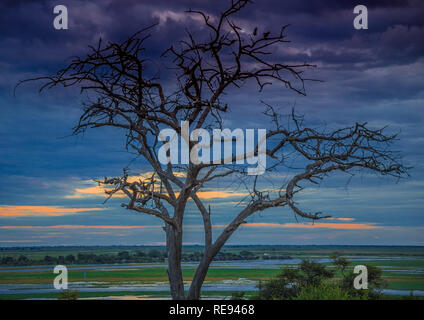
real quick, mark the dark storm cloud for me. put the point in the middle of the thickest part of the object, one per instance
(374, 75)
(27, 25)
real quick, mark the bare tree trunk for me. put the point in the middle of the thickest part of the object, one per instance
(173, 248)
(210, 253)
(199, 276)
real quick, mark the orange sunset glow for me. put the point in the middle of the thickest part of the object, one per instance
(45, 211)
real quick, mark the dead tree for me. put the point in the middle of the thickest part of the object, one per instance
(114, 75)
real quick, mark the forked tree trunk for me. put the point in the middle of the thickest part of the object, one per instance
(175, 275)
(174, 250)
(199, 277)
(201, 271)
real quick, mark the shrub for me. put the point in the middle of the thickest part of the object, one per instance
(68, 295)
(326, 291)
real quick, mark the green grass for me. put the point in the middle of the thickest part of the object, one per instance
(402, 285)
(142, 274)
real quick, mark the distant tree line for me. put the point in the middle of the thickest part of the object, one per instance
(153, 255)
(248, 255)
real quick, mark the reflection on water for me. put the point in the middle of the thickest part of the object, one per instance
(226, 285)
(243, 264)
(239, 264)
(403, 292)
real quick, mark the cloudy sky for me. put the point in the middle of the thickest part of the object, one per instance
(47, 196)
